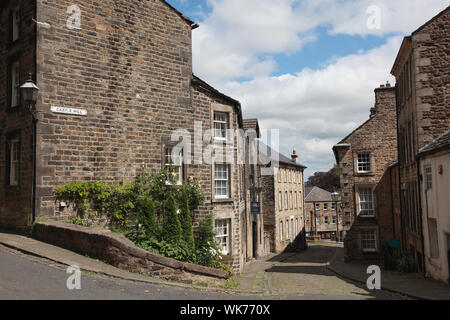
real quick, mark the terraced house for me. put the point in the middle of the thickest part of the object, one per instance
(283, 200)
(366, 158)
(422, 71)
(115, 81)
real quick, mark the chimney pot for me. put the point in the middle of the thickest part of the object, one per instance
(294, 156)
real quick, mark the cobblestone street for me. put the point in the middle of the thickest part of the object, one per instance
(305, 276)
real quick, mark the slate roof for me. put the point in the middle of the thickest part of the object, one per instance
(316, 194)
(270, 154)
(440, 143)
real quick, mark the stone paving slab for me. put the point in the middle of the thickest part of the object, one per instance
(411, 284)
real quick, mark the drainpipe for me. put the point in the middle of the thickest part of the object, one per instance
(419, 182)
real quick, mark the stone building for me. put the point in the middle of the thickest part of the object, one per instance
(434, 168)
(283, 199)
(115, 84)
(364, 158)
(320, 211)
(421, 69)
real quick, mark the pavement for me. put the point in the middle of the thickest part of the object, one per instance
(65, 257)
(26, 277)
(318, 273)
(410, 284)
(305, 276)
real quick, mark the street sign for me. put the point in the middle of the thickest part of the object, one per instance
(256, 207)
(71, 111)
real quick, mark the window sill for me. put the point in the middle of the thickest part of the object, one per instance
(365, 174)
(370, 251)
(222, 200)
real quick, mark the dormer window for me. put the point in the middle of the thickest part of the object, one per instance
(364, 164)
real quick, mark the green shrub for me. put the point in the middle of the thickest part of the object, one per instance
(77, 221)
(145, 209)
(185, 221)
(171, 227)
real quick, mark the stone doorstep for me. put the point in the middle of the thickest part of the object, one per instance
(101, 267)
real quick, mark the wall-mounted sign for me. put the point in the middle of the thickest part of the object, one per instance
(256, 207)
(72, 111)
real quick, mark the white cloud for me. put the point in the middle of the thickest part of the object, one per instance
(313, 108)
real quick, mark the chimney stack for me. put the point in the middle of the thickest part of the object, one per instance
(294, 156)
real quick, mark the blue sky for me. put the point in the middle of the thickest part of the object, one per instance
(305, 67)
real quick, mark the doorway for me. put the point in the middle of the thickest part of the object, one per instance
(255, 238)
(448, 257)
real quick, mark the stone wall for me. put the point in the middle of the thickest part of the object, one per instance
(15, 201)
(129, 65)
(377, 136)
(119, 251)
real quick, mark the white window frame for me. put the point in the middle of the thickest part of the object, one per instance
(317, 206)
(221, 180)
(15, 32)
(287, 230)
(286, 205)
(222, 237)
(174, 164)
(291, 202)
(428, 170)
(223, 124)
(367, 200)
(325, 206)
(14, 162)
(333, 219)
(318, 221)
(365, 240)
(281, 230)
(15, 84)
(364, 163)
(280, 200)
(326, 220)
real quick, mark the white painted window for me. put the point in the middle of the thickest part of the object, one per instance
(15, 84)
(287, 229)
(317, 220)
(317, 206)
(369, 240)
(280, 200)
(290, 200)
(292, 229)
(364, 164)
(295, 204)
(286, 200)
(333, 206)
(174, 164)
(281, 230)
(14, 147)
(429, 177)
(221, 181)
(296, 226)
(220, 125)
(222, 229)
(15, 24)
(366, 205)
(334, 219)
(325, 206)
(326, 220)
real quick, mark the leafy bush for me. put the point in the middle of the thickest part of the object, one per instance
(171, 227)
(77, 221)
(405, 263)
(185, 220)
(145, 209)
